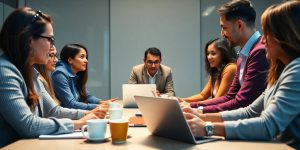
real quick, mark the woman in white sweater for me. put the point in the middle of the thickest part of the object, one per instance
(26, 109)
(275, 114)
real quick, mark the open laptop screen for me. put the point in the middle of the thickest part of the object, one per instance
(130, 90)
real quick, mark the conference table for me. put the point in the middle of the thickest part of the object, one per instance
(140, 138)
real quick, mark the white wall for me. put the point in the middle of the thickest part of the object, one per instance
(173, 26)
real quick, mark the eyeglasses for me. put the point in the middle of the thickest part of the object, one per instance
(52, 56)
(49, 38)
(36, 16)
(153, 62)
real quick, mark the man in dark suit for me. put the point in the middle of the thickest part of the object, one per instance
(153, 72)
(237, 21)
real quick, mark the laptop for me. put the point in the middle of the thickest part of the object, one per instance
(130, 90)
(165, 118)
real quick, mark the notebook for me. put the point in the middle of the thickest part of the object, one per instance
(164, 118)
(130, 90)
(137, 121)
(74, 135)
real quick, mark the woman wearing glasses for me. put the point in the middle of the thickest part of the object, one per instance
(26, 109)
(220, 65)
(70, 77)
(274, 115)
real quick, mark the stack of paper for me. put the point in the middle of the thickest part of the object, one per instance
(74, 135)
(137, 121)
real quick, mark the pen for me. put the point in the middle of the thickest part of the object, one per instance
(137, 125)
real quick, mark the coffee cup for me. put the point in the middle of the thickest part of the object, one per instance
(118, 130)
(96, 129)
(164, 95)
(114, 105)
(115, 113)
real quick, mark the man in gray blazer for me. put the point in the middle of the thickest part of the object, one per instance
(153, 72)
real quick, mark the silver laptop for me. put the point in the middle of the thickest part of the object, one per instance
(130, 90)
(164, 118)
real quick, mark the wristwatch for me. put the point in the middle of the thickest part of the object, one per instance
(200, 109)
(209, 128)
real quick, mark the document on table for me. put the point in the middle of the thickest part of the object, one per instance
(137, 121)
(74, 135)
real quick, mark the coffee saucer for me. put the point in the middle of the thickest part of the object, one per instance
(97, 140)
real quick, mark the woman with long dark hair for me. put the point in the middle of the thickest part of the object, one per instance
(220, 64)
(70, 77)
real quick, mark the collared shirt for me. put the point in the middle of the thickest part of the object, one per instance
(152, 79)
(245, 52)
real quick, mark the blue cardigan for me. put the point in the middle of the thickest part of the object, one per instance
(66, 90)
(275, 112)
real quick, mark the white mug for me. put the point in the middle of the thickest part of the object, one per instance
(96, 129)
(115, 113)
(164, 95)
(114, 105)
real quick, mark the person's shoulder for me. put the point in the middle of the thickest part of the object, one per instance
(4, 59)
(60, 65)
(138, 67)
(164, 67)
(230, 66)
(296, 61)
(293, 66)
(6, 64)
(9, 70)
(62, 68)
(291, 71)
(165, 70)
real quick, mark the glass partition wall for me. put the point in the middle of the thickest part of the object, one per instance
(6, 7)
(87, 24)
(117, 32)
